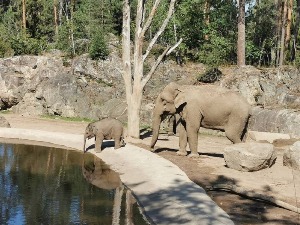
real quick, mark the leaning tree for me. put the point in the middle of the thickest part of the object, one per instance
(133, 60)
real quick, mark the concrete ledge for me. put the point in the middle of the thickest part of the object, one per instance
(164, 191)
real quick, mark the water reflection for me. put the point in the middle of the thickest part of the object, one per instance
(41, 185)
(96, 172)
(99, 174)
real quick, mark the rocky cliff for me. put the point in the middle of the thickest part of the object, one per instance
(51, 84)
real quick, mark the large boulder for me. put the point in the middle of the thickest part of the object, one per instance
(250, 156)
(291, 157)
(286, 121)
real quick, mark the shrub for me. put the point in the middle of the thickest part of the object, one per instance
(98, 48)
(5, 48)
(210, 76)
(23, 45)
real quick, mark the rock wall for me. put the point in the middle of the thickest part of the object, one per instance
(81, 87)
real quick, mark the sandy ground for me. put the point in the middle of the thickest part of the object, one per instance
(210, 172)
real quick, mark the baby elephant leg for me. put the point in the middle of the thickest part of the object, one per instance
(119, 142)
(98, 142)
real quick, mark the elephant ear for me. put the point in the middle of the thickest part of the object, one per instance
(94, 129)
(179, 99)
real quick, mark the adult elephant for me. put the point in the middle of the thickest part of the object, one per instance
(208, 106)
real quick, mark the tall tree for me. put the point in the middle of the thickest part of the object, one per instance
(133, 73)
(295, 32)
(24, 14)
(283, 31)
(55, 16)
(241, 34)
(288, 22)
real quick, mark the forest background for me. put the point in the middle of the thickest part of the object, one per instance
(208, 28)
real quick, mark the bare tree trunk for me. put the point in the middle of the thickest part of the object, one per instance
(206, 16)
(241, 34)
(295, 32)
(60, 15)
(133, 74)
(55, 16)
(279, 28)
(282, 39)
(288, 22)
(24, 14)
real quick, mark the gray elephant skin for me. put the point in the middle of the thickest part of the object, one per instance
(105, 129)
(208, 106)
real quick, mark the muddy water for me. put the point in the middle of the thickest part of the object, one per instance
(41, 185)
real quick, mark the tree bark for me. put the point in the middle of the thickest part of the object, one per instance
(206, 16)
(24, 14)
(295, 31)
(288, 22)
(133, 73)
(55, 16)
(241, 34)
(282, 39)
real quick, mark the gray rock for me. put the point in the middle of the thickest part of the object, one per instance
(249, 156)
(291, 157)
(286, 121)
(4, 122)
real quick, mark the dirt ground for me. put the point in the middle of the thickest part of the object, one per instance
(211, 173)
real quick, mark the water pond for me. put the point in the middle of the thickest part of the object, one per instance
(42, 185)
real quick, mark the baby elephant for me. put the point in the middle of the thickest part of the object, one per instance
(104, 129)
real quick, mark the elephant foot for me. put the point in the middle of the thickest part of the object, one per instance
(97, 150)
(194, 155)
(181, 153)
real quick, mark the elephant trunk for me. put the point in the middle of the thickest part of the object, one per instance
(155, 129)
(84, 142)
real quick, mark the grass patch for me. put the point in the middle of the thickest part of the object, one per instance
(5, 112)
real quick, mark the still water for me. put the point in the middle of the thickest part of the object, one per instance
(42, 185)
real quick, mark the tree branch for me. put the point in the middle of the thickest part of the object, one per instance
(166, 52)
(150, 17)
(175, 46)
(161, 29)
(126, 48)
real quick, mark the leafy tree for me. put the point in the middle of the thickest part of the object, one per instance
(98, 47)
(261, 33)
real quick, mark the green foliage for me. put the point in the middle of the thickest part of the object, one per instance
(23, 45)
(261, 24)
(210, 42)
(98, 47)
(5, 47)
(218, 50)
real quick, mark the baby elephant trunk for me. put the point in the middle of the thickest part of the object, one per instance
(84, 143)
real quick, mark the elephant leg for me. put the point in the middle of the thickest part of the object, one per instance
(98, 142)
(192, 128)
(234, 129)
(171, 125)
(117, 142)
(182, 140)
